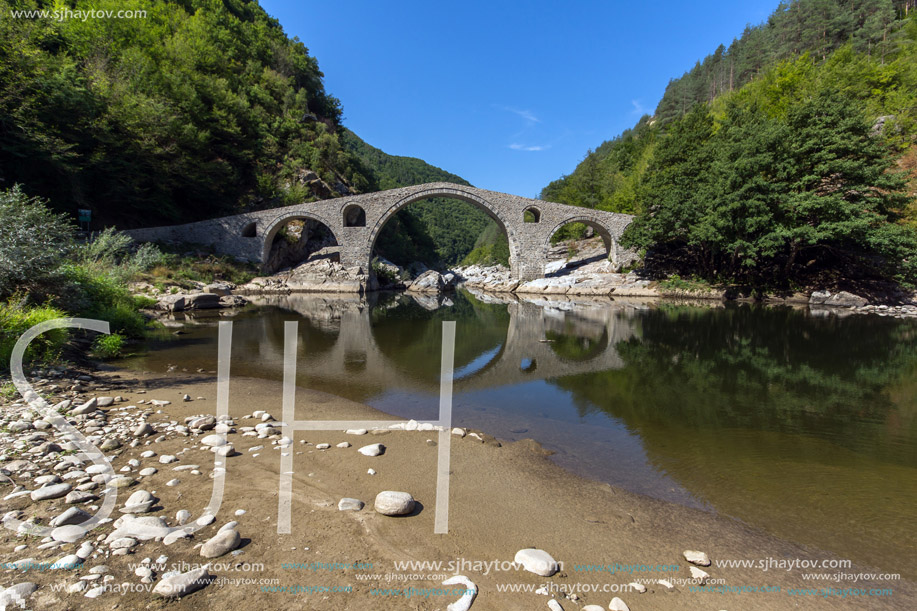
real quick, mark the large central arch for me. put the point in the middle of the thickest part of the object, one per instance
(451, 193)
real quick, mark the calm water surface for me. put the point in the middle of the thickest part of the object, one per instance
(802, 425)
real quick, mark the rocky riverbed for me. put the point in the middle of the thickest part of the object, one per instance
(362, 500)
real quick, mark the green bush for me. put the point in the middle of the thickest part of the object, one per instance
(108, 346)
(17, 318)
(33, 241)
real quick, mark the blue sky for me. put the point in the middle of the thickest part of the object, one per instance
(508, 95)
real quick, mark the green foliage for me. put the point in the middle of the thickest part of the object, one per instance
(33, 242)
(782, 176)
(201, 109)
(491, 248)
(384, 275)
(107, 346)
(17, 318)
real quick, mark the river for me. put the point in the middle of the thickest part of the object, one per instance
(799, 423)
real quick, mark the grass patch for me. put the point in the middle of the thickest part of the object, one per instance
(16, 319)
(108, 346)
(677, 283)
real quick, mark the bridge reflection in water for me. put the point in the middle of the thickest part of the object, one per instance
(386, 346)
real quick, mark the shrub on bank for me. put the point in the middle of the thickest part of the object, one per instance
(46, 273)
(17, 318)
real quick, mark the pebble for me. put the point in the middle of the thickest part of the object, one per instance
(471, 591)
(639, 587)
(349, 504)
(144, 430)
(392, 503)
(73, 515)
(536, 561)
(222, 543)
(695, 557)
(54, 491)
(68, 534)
(617, 604)
(148, 471)
(322, 446)
(372, 450)
(213, 441)
(182, 517)
(356, 431)
(176, 586)
(371, 471)
(343, 444)
(140, 501)
(553, 605)
(458, 431)
(699, 575)
(167, 458)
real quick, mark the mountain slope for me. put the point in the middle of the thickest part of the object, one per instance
(200, 108)
(713, 175)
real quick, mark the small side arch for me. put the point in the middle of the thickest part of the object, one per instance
(354, 216)
(250, 230)
(531, 215)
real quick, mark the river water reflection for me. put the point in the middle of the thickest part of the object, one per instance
(801, 424)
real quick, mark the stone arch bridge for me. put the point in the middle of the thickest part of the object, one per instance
(356, 221)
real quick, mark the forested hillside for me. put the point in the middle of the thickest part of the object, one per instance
(431, 231)
(783, 159)
(200, 108)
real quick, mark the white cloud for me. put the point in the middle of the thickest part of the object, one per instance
(639, 109)
(523, 147)
(527, 115)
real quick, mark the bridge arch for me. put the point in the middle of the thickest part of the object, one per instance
(452, 193)
(604, 232)
(271, 229)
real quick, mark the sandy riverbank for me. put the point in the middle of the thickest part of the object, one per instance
(503, 498)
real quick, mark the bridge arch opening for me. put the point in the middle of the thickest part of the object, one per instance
(531, 215)
(576, 241)
(250, 230)
(354, 216)
(470, 230)
(295, 239)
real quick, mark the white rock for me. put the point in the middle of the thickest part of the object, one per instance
(536, 561)
(167, 458)
(553, 605)
(639, 587)
(371, 471)
(458, 431)
(213, 441)
(372, 450)
(322, 446)
(343, 444)
(222, 543)
(54, 491)
(695, 557)
(348, 504)
(68, 534)
(11, 597)
(143, 430)
(356, 431)
(699, 575)
(182, 516)
(467, 599)
(617, 604)
(392, 503)
(148, 471)
(593, 608)
(179, 585)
